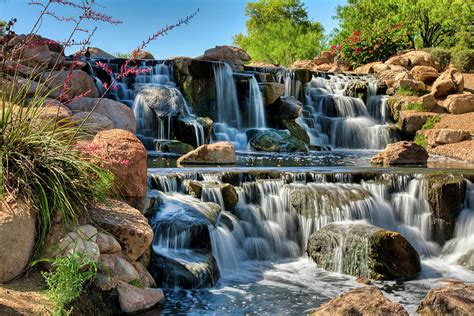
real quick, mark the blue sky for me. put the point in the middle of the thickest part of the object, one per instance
(215, 24)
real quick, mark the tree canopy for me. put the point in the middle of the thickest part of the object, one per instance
(280, 32)
(428, 23)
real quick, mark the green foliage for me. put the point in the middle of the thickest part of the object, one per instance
(136, 283)
(40, 163)
(406, 91)
(442, 56)
(416, 106)
(3, 27)
(68, 278)
(426, 23)
(280, 32)
(420, 139)
(123, 55)
(464, 60)
(431, 122)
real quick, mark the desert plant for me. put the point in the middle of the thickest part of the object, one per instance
(415, 106)
(431, 122)
(68, 278)
(464, 60)
(442, 56)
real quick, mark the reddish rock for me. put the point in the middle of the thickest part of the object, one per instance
(401, 153)
(133, 299)
(126, 224)
(221, 153)
(454, 299)
(124, 155)
(411, 121)
(368, 68)
(79, 83)
(360, 301)
(17, 236)
(425, 74)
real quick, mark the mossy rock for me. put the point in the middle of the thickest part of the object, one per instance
(173, 146)
(357, 89)
(271, 140)
(367, 251)
(297, 131)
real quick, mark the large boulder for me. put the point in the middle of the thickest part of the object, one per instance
(436, 137)
(445, 194)
(366, 250)
(96, 53)
(271, 140)
(119, 114)
(420, 58)
(425, 74)
(462, 150)
(296, 130)
(17, 236)
(287, 108)
(367, 68)
(123, 154)
(184, 268)
(79, 83)
(357, 89)
(142, 54)
(271, 91)
(92, 122)
(459, 103)
(411, 121)
(126, 224)
(450, 81)
(401, 153)
(221, 153)
(163, 101)
(360, 301)
(133, 299)
(234, 56)
(454, 299)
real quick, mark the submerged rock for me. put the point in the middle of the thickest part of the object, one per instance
(360, 301)
(271, 140)
(455, 299)
(17, 236)
(445, 193)
(401, 153)
(221, 153)
(364, 250)
(184, 268)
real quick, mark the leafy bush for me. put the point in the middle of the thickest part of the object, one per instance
(442, 56)
(431, 122)
(68, 278)
(464, 60)
(378, 45)
(420, 139)
(406, 91)
(41, 165)
(416, 106)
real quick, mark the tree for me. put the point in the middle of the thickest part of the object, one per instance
(427, 23)
(280, 32)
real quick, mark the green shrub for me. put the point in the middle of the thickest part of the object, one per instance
(68, 278)
(416, 106)
(442, 56)
(420, 139)
(40, 163)
(464, 60)
(405, 91)
(431, 122)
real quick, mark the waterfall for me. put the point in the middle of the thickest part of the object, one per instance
(335, 120)
(460, 249)
(254, 108)
(274, 218)
(227, 103)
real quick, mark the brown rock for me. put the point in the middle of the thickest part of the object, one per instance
(428, 101)
(221, 153)
(271, 91)
(126, 224)
(124, 155)
(450, 81)
(80, 83)
(420, 58)
(92, 122)
(234, 56)
(17, 236)
(133, 299)
(97, 53)
(114, 269)
(107, 243)
(455, 299)
(144, 55)
(463, 122)
(360, 301)
(425, 74)
(146, 279)
(398, 60)
(463, 150)
(459, 103)
(368, 68)
(54, 113)
(401, 153)
(436, 137)
(410, 84)
(411, 120)
(119, 114)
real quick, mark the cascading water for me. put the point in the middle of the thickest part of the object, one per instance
(335, 120)
(231, 124)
